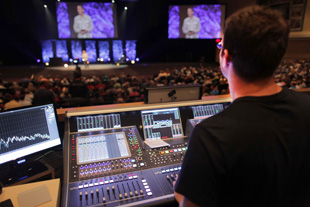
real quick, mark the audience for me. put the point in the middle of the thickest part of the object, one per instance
(110, 89)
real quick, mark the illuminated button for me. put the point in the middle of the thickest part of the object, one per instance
(133, 160)
(171, 151)
(80, 186)
(167, 170)
(108, 163)
(163, 171)
(162, 152)
(81, 173)
(111, 181)
(125, 165)
(95, 165)
(90, 166)
(130, 177)
(148, 190)
(146, 187)
(86, 172)
(108, 168)
(81, 167)
(101, 182)
(91, 184)
(86, 185)
(171, 169)
(128, 160)
(179, 168)
(134, 165)
(142, 164)
(135, 176)
(86, 166)
(103, 164)
(184, 149)
(175, 150)
(149, 193)
(166, 151)
(104, 169)
(91, 171)
(95, 170)
(179, 149)
(129, 165)
(145, 183)
(100, 170)
(99, 165)
(106, 182)
(96, 183)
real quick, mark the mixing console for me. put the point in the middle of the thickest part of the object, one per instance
(108, 162)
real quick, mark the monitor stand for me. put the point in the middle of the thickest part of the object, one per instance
(19, 172)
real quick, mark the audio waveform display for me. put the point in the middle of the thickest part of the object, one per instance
(6, 143)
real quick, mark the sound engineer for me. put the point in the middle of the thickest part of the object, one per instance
(257, 151)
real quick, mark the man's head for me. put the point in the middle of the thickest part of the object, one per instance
(190, 12)
(80, 9)
(256, 39)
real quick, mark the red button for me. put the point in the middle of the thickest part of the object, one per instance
(171, 151)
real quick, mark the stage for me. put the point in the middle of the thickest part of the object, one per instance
(145, 70)
(88, 67)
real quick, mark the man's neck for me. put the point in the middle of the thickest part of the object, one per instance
(240, 88)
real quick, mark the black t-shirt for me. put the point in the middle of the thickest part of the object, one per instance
(255, 153)
(43, 96)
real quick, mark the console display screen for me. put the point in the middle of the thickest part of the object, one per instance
(162, 123)
(100, 147)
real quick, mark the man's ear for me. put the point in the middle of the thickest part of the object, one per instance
(227, 57)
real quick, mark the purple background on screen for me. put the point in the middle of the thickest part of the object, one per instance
(102, 17)
(91, 50)
(174, 22)
(210, 21)
(131, 49)
(63, 20)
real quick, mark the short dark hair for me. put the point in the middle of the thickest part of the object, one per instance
(256, 38)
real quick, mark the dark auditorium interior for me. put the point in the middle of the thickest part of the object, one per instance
(111, 128)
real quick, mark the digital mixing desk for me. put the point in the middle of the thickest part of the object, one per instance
(129, 156)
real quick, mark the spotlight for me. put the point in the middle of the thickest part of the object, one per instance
(58, 0)
(133, 62)
(101, 59)
(113, 1)
(71, 60)
(98, 59)
(66, 65)
(47, 64)
(137, 59)
(117, 64)
(45, 6)
(109, 59)
(38, 60)
(125, 8)
(127, 59)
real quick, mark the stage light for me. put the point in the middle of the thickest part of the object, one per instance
(58, 0)
(47, 64)
(109, 59)
(125, 8)
(45, 6)
(38, 60)
(133, 62)
(127, 59)
(117, 64)
(101, 59)
(113, 1)
(66, 65)
(98, 59)
(218, 40)
(137, 59)
(71, 60)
